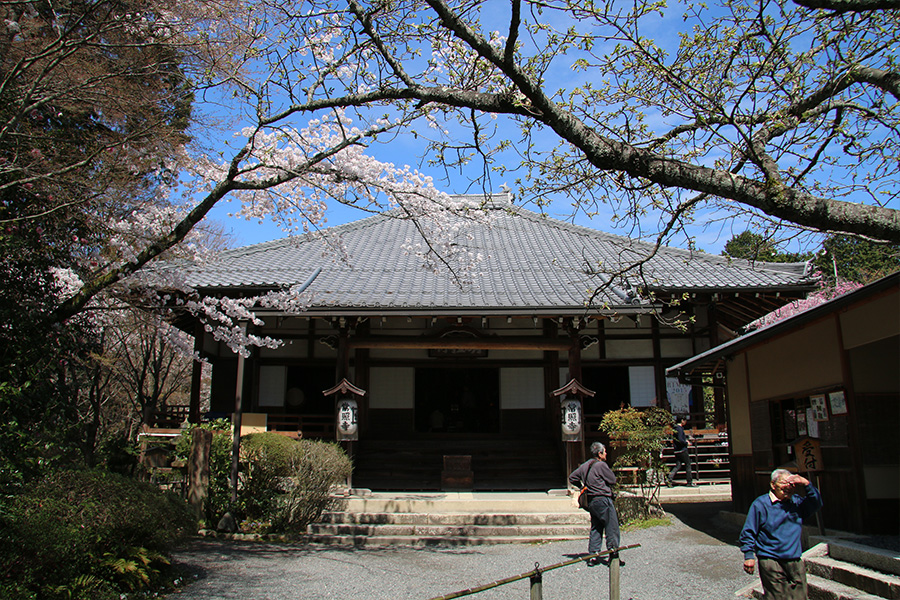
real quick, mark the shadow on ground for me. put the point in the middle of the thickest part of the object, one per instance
(704, 516)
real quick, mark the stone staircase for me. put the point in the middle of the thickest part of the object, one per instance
(451, 519)
(838, 569)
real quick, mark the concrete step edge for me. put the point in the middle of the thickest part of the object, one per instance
(555, 505)
(420, 541)
(825, 589)
(862, 578)
(437, 530)
(456, 518)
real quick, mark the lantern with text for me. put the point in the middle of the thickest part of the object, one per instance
(346, 410)
(572, 416)
(347, 426)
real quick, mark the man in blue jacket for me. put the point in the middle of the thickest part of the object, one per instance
(772, 534)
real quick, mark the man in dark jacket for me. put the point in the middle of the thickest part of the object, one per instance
(599, 479)
(682, 453)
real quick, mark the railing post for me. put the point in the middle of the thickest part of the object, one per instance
(537, 585)
(614, 576)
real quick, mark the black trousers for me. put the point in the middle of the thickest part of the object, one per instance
(682, 458)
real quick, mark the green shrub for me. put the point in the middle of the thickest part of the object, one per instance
(637, 439)
(218, 499)
(283, 482)
(288, 482)
(63, 537)
(268, 461)
(318, 468)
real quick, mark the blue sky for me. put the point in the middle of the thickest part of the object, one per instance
(709, 235)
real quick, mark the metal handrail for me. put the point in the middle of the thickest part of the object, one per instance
(536, 576)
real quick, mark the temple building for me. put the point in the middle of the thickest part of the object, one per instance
(512, 366)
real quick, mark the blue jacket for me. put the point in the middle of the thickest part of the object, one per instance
(772, 529)
(679, 439)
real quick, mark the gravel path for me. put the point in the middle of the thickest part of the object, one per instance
(675, 562)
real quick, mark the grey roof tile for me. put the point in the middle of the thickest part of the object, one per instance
(533, 262)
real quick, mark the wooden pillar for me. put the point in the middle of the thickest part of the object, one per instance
(858, 518)
(236, 418)
(342, 369)
(575, 453)
(720, 411)
(659, 372)
(196, 376)
(198, 469)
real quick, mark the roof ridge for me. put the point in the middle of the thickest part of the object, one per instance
(369, 221)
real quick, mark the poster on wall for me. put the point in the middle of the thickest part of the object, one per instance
(838, 402)
(679, 395)
(801, 423)
(819, 409)
(812, 425)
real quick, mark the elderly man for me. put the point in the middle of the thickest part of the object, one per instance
(599, 479)
(772, 533)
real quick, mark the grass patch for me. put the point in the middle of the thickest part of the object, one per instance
(647, 523)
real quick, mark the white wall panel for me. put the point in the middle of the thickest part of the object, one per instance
(392, 387)
(521, 388)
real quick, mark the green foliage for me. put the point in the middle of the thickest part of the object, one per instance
(288, 482)
(38, 400)
(647, 523)
(318, 467)
(284, 482)
(756, 247)
(137, 569)
(637, 438)
(75, 534)
(269, 461)
(118, 453)
(218, 499)
(857, 260)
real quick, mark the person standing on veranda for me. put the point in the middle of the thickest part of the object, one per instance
(772, 533)
(681, 446)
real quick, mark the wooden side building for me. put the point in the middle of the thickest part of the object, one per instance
(820, 393)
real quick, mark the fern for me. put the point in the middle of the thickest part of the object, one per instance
(137, 568)
(83, 586)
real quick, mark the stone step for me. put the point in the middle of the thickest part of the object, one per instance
(455, 519)
(862, 578)
(830, 578)
(462, 502)
(422, 541)
(877, 559)
(443, 531)
(817, 588)
(825, 589)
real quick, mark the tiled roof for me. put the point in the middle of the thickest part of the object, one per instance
(531, 262)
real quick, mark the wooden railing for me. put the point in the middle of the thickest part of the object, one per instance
(537, 576)
(709, 455)
(306, 426)
(295, 425)
(170, 417)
